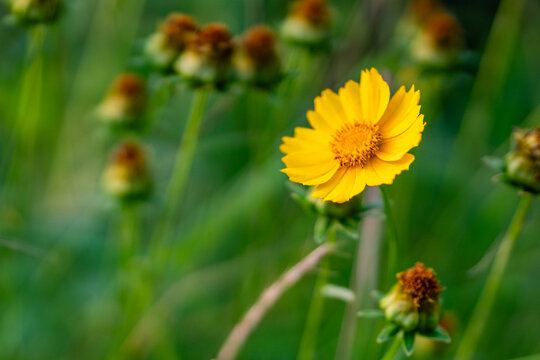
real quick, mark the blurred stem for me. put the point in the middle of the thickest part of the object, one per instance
(268, 298)
(130, 231)
(393, 349)
(483, 307)
(392, 234)
(309, 337)
(182, 168)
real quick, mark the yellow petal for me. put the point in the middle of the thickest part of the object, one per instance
(312, 175)
(307, 158)
(384, 172)
(360, 182)
(402, 111)
(343, 191)
(319, 123)
(350, 98)
(328, 105)
(321, 191)
(374, 93)
(394, 148)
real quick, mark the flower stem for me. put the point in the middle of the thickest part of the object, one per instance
(130, 232)
(393, 349)
(182, 168)
(309, 337)
(268, 298)
(487, 298)
(392, 234)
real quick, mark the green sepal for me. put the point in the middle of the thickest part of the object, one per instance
(388, 332)
(439, 334)
(377, 295)
(371, 313)
(408, 342)
(494, 162)
(320, 231)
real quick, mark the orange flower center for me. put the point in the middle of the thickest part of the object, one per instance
(354, 145)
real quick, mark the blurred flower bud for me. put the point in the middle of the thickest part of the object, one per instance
(171, 38)
(308, 23)
(413, 304)
(125, 101)
(422, 10)
(425, 347)
(35, 11)
(439, 41)
(207, 58)
(257, 61)
(126, 176)
(522, 164)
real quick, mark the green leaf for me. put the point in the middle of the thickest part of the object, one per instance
(439, 334)
(371, 313)
(377, 295)
(494, 162)
(338, 292)
(388, 332)
(408, 342)
(321, 229)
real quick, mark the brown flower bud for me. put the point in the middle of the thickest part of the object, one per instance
(308, 23)
(126, 177)
(207, 58)
(522, 164)
(257, 61)
(125, 100)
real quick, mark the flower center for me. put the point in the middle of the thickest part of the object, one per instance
(356, 144)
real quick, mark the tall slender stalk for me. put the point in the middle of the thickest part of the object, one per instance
(483, 307)
(182, 168)
(268, 298)
(392, 234)
(393, 349)
(130, 232)
(309, 337)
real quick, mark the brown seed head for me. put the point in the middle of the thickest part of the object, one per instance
(215, 41)
(179, 29)
(259, 44)
(445, 31)
(316, 12)
(528, 143)
(128, 85)
(421, 284)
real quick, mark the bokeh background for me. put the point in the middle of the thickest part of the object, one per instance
(238, 228)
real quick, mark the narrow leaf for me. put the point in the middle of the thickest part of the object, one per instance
(388, 332)
(439, 334)
(338, 292)
(408, 342)
(321, 229)
(371, 313)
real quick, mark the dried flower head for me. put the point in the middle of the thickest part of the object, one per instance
(421, 284)
(125, 100)
(257, 61)
(308, 23)
(208, 57)
(179, 29)
(126, 176)
(521, 166)
(445, 31)
(422, 10)
(35, 11)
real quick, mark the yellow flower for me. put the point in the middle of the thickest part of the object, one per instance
(360, 137)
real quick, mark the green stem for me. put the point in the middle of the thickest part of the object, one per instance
(393, 349)
(309, 337)
(392, 234)
(182, 168)
(130, 236)
(483, 307)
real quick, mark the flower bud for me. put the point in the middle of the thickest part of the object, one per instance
(35, 11)
(207, 58)
(257, 61)
(413, 303)
(439, 41)
(125, 101)
(126, 176)
(308, 23)
(522, 164)
(171, 38)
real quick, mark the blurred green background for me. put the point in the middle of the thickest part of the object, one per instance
(62, 289)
